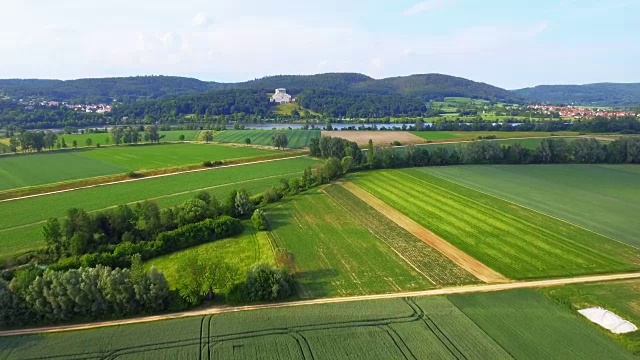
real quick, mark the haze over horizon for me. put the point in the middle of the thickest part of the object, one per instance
(497, 42)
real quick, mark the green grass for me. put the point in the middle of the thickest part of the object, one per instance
(530, 326)
(56, 166)
(602, 198)
(239, 252)
(622, 298)
(297, 138)
(436, 267)
(335, 254)
(516, 242)
(486, 326)
(286, 109)
(473, 135)
(101, 138)
(22, 221)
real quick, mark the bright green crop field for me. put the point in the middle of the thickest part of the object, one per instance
(101, 138)
(335, 254)
(56, 166)
(297, 138)
(238, 252)
(620, 297)
(422, 257)
(602, 198)
(517, 242)
(515, 324)
(20, 229)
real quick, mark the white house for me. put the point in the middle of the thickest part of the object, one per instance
(281, 97)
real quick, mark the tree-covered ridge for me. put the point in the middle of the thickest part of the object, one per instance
(436, 86)
(341, 104)
(611, 94)
(426, 87)
(123, 89)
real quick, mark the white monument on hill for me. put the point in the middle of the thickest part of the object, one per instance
(281, 97)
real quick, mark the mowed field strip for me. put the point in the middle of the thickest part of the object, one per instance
(602, 198)
(516, 242)
(26, 170)
(20, 227)
(473, 266)
(297, 139)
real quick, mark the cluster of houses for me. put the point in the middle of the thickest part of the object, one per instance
(90, 108)
(578, 112)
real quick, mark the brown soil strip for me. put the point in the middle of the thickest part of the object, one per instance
(381, 138)
(473, 266)
(434, 292)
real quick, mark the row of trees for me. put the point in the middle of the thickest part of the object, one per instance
(118, 230)
(35, 296)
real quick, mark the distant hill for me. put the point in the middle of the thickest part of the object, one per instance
(105, 89)
(425, 87)
(604, 94)
(430, 86)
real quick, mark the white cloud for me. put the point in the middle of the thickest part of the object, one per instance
(200, 20)
(427, 5)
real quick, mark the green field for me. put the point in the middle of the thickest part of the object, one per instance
(517, 324)
(602, 198)
(297, 138)
(101, 138)
(620, 297)
(422, 257)
(516, 242)
(286, 109)
(335, 254)
(473, 135)
(27, 170)
(20, 229)
(239, 252)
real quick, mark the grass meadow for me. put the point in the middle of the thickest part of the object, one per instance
(601, 198)
(514, 241)
(335, 254)
(297, 138)
(50, 167)
(105, 138)
(514, 324)
(22, 221)
(239, 252)
(620, 297)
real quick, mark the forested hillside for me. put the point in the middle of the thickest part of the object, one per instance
(104, 90)
(605, 94)
(431, 86)
(426, 87)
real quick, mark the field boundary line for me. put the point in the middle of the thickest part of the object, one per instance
(163, 197)
(381, 239)
(462, 259)
(536, 211)
(148, 178)
(531, 284)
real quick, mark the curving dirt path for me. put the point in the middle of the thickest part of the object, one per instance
(473, 266)
(434, 292)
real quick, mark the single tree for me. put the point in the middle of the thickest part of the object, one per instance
(88, 142)
(247, 141)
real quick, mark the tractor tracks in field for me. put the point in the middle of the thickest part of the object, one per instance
(433, 292)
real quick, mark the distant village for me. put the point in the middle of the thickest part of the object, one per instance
(578, 112)
(89, 108)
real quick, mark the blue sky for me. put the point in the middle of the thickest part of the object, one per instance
(511, 44)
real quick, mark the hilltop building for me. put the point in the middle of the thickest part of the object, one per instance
(281, 97)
